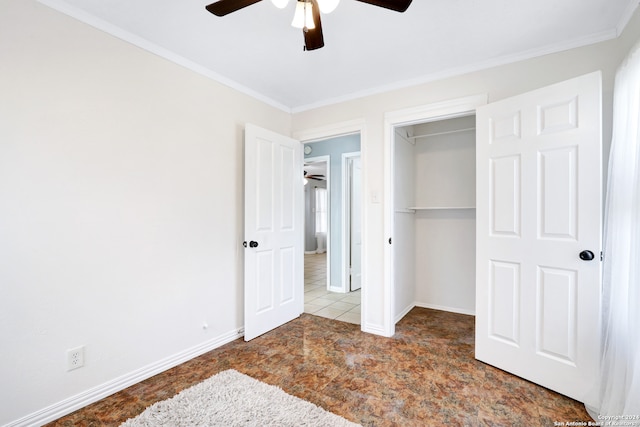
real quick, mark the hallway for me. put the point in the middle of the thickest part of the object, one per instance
(321, 302)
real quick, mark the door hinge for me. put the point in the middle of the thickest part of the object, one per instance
(601, 256)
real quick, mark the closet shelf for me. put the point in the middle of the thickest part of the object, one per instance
(427, 135)
(435, 208)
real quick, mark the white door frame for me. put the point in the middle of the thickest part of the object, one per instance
(327, 160)
(347, 158)
(430, 112)
(331, 131)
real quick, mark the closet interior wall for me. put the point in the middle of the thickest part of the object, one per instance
(435, 222)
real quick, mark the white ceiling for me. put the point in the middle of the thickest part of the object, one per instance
(367, 49)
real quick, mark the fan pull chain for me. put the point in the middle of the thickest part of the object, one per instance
(305, 29)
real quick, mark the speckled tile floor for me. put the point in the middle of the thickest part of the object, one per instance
(423, 376)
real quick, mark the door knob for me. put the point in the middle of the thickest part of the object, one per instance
(586, 255)
(254, 244)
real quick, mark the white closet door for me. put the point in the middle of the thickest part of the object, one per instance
(538, 212)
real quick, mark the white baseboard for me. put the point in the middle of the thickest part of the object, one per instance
(92, 395)
(445, 308)
(433, 307)
(404, 312)
(374, 329)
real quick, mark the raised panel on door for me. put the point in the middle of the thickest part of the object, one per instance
(505, 128)
(288, 187)
(287, 289)
(505, 302)
(558, 116)
(557, 314)
(264, 181)
(264, 275)
(558, 186)
(505, 201)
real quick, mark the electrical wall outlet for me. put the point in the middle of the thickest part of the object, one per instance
(75, 358)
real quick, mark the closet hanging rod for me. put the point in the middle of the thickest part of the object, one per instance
(441, 133)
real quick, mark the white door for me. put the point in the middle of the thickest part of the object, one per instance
(273, 231)
(539, 207)
(356, 224)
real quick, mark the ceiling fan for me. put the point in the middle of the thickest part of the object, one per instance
(307, 14)
(314, 176)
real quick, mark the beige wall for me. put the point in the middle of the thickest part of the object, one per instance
(121, 199)
(120, 208)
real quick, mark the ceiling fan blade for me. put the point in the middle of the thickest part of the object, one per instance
(397, 5)
(313, 39)
(224, 7)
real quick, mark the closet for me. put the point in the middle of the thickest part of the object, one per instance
(434, 169)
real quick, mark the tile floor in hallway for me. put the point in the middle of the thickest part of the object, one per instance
(321, 302)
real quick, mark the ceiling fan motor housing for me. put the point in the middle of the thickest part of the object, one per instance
(313, 37)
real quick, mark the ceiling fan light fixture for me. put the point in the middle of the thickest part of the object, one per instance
(280, 4)
(303, 18)
(328, 6)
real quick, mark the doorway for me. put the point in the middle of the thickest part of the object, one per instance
(317, 206)
(405, 211)
(333, 228)
(434, 215)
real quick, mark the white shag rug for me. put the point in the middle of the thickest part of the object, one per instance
(230, 398)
